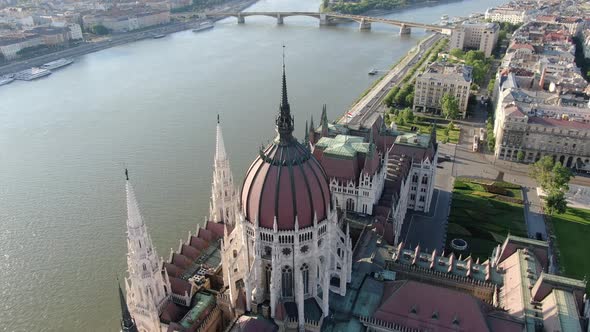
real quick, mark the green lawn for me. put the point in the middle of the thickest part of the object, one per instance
(424, 128)
(483, 217)
(572, 230)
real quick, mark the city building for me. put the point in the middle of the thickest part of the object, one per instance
(509, 14)
(475, 36)
(11, 45)
(127, 20)
(532, 124)
(440, 79)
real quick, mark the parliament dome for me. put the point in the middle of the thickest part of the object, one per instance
(285, 181)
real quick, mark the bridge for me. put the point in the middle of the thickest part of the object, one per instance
(334, 18)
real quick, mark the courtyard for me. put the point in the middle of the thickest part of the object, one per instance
(483, 212)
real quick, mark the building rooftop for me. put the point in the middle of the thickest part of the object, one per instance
(457, 72)
(343, 146)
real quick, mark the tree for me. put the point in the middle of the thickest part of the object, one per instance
(553, 177)
(450, 106)
(520, 156)
(491, 85)
(457, 52)
(451, 125)
(410, 99)
(408, 115)
(491, 143)
(100, 30)
(556, 202)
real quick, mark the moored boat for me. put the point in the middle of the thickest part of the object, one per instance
(32, 74)
(57, 64)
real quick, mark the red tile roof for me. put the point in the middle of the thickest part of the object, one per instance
(426, 307)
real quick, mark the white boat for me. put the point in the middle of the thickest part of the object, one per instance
(444, 17)
(203, 26)
(373, 71)
(6, 79)
(32, 74)
(444, 22)
(159, 36)
(57, 64)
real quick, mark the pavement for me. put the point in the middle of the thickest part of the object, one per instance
(372, 103)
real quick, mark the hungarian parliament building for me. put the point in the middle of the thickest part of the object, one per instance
(311, 242)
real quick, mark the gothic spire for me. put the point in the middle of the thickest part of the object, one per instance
(219, 146)
(127, 322)
(284, 120)
(134, 218)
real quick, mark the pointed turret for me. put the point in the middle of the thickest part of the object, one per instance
(312, 131)
(127, 322)
(284, 120)
(306, 137)
(324, 122)
(144, 268)
(220, 154)
(224, 197)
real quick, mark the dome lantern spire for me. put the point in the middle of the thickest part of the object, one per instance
(284, 120)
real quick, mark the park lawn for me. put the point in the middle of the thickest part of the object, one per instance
(572, 230)
(482, 219)
(424, 128)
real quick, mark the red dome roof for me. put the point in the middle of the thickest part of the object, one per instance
(285, 181)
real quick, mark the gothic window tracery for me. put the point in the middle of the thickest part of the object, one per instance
(305, 278)
(287, 281)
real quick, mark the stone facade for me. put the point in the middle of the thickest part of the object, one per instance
(440, 79)
(478, 36)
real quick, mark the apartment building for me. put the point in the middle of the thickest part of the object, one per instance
(535, 124)
(507, 14)
(440, 79)
(477, 36)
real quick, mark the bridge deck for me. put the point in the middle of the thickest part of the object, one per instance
(358, 18)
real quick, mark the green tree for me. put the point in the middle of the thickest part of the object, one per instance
(520, 156)
(100, 30)
(491, 85)
(410, 99)
(408, 115)
(491, 142)
(556, 202)
(451, 125)
(450, 106)
(457, 52)
(446, 131)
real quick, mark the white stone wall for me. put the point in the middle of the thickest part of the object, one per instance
(422, 178)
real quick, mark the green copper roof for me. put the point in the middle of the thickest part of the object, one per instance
(202, 302)
(421, 140)
(563, 280)
(343, 146)
(567, 311)
(526, 240)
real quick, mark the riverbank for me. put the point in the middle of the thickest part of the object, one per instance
(118, 39)
(397, 9)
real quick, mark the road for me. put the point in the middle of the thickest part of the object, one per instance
(372, 102)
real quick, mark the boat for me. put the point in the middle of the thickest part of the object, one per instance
(161, 35)
(373, 71)
(57, 64)
(444, 17)
(6, 79)
(32, 74)
(203, 26)
(444, 22)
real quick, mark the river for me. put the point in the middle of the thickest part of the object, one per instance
(151, 106)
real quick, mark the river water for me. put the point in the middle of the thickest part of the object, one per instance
(151, 106)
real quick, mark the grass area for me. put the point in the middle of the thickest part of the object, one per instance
(483, 213)
(424, 128)
(572, 230)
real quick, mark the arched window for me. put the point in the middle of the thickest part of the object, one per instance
(165, 290)
(287, 281)
(350, 204)
(305, 278)
(425, 180)
(235, 253)
(144, 267)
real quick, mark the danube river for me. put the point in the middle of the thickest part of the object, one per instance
(151, 106)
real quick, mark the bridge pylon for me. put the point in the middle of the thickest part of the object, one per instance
(241, 19)
(325, 20)
(364, 25)
(405, 30)
(279, 19)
